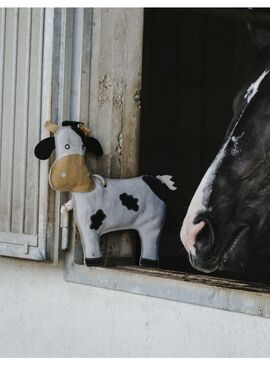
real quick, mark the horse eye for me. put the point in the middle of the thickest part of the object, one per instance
(83, 147)
(67, 146)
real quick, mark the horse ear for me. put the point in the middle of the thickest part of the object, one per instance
(260, 34)
(44, 148)
(93, 145)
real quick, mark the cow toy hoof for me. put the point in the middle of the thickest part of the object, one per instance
(148, 263)
(94, 262)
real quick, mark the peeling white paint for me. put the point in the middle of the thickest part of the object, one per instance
(118, 96)
(137, 98)
(105, 85)
(119, 146)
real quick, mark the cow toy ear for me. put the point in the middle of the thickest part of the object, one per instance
(44, 148)
(93, 145)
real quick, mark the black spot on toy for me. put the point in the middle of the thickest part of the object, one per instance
(97, 219)
(129, 202)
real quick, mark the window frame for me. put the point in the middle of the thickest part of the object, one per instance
(114, 102)
(201, 290)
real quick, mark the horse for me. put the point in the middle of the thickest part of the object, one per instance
(227, 224)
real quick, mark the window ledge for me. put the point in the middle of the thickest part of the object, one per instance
(201, 290)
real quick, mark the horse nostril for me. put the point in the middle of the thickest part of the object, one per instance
(205, 240)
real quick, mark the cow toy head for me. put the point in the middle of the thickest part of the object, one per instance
(69, 172)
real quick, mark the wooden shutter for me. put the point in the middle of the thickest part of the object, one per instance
(26, 45)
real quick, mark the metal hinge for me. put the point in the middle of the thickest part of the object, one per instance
(64, 223)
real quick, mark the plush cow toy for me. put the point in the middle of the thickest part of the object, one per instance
(103, 206)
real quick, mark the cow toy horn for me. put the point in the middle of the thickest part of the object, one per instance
(51, 126)
(85, 129)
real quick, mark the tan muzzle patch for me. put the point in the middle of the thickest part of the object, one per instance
(70, 173)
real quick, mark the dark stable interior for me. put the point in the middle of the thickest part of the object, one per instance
(194, 62)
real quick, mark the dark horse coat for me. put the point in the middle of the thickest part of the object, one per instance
(227, 225)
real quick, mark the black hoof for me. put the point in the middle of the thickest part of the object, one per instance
(94, 262)
(148, 263)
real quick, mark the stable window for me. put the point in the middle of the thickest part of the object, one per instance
(194, 62)
(86, 64)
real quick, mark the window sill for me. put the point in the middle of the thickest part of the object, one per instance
(200, 290)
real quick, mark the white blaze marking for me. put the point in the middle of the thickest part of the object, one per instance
(198, 203)
(236, 149)
(190, 230)
(254, 87)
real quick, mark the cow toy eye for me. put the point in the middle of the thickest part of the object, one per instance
(83, 147)
(67, 146)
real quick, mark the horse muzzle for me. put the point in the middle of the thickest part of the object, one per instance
(205, 255)
(230, 255)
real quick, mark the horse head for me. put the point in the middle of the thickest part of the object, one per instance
(227, 225)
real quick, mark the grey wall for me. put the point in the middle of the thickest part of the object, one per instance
(41, 315)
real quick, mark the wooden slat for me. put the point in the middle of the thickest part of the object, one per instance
(6, 177)
(132, 62)
(2, 58)
(21, 120)
(85, 63)
(94, 96)
(77, 52)
(61, 97)
(58, 81)
(34, 123)
(101, 115)
(65, 71)
(63, 21)
(119, 82)
(45, 115)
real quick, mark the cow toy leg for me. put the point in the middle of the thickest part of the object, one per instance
(149, 236)
(91, 249)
